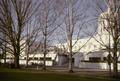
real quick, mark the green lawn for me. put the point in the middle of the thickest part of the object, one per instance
(27, 75)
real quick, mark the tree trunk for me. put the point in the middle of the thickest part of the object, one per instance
(109, 63)
(16, 61)
(115, 66)
(70, 63)
(44, 62)
(45, 52)
(70, 56)
(110, 70)
(17, 54)
(4, 53)
(27, 59)
(115, 60)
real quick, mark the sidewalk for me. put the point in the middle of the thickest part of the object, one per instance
(77, 69)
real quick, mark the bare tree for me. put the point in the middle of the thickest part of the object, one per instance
(74, 21)
(110, 26)
(14, 14)
(47, 19)
(3, 48)
(33, 41)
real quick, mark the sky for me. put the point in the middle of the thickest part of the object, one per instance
(92, 14)
(90, 10)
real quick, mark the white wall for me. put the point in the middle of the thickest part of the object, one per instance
(48, 63)
(96, 65)
(77, 58)
(62, 60)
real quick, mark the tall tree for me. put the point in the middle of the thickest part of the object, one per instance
(110, 26)
(47, 19)
(33, 41)
(3, 48)
(74, 21)
(14, 14)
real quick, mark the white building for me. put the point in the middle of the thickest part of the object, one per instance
(93, 53)
(10, 57)
(89, 51)
(34, 59)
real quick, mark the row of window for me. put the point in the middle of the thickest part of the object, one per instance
(41, 58)
(97, 59)
(35, 58)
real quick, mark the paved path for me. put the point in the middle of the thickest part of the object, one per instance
(77, 71)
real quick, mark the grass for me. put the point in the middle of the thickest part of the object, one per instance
(28, 75)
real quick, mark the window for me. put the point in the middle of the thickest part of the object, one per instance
(30, 58)
(73, 60)
(104, 58)
(47, 58)
(94, 59)
(25, 58)
(35, 58)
